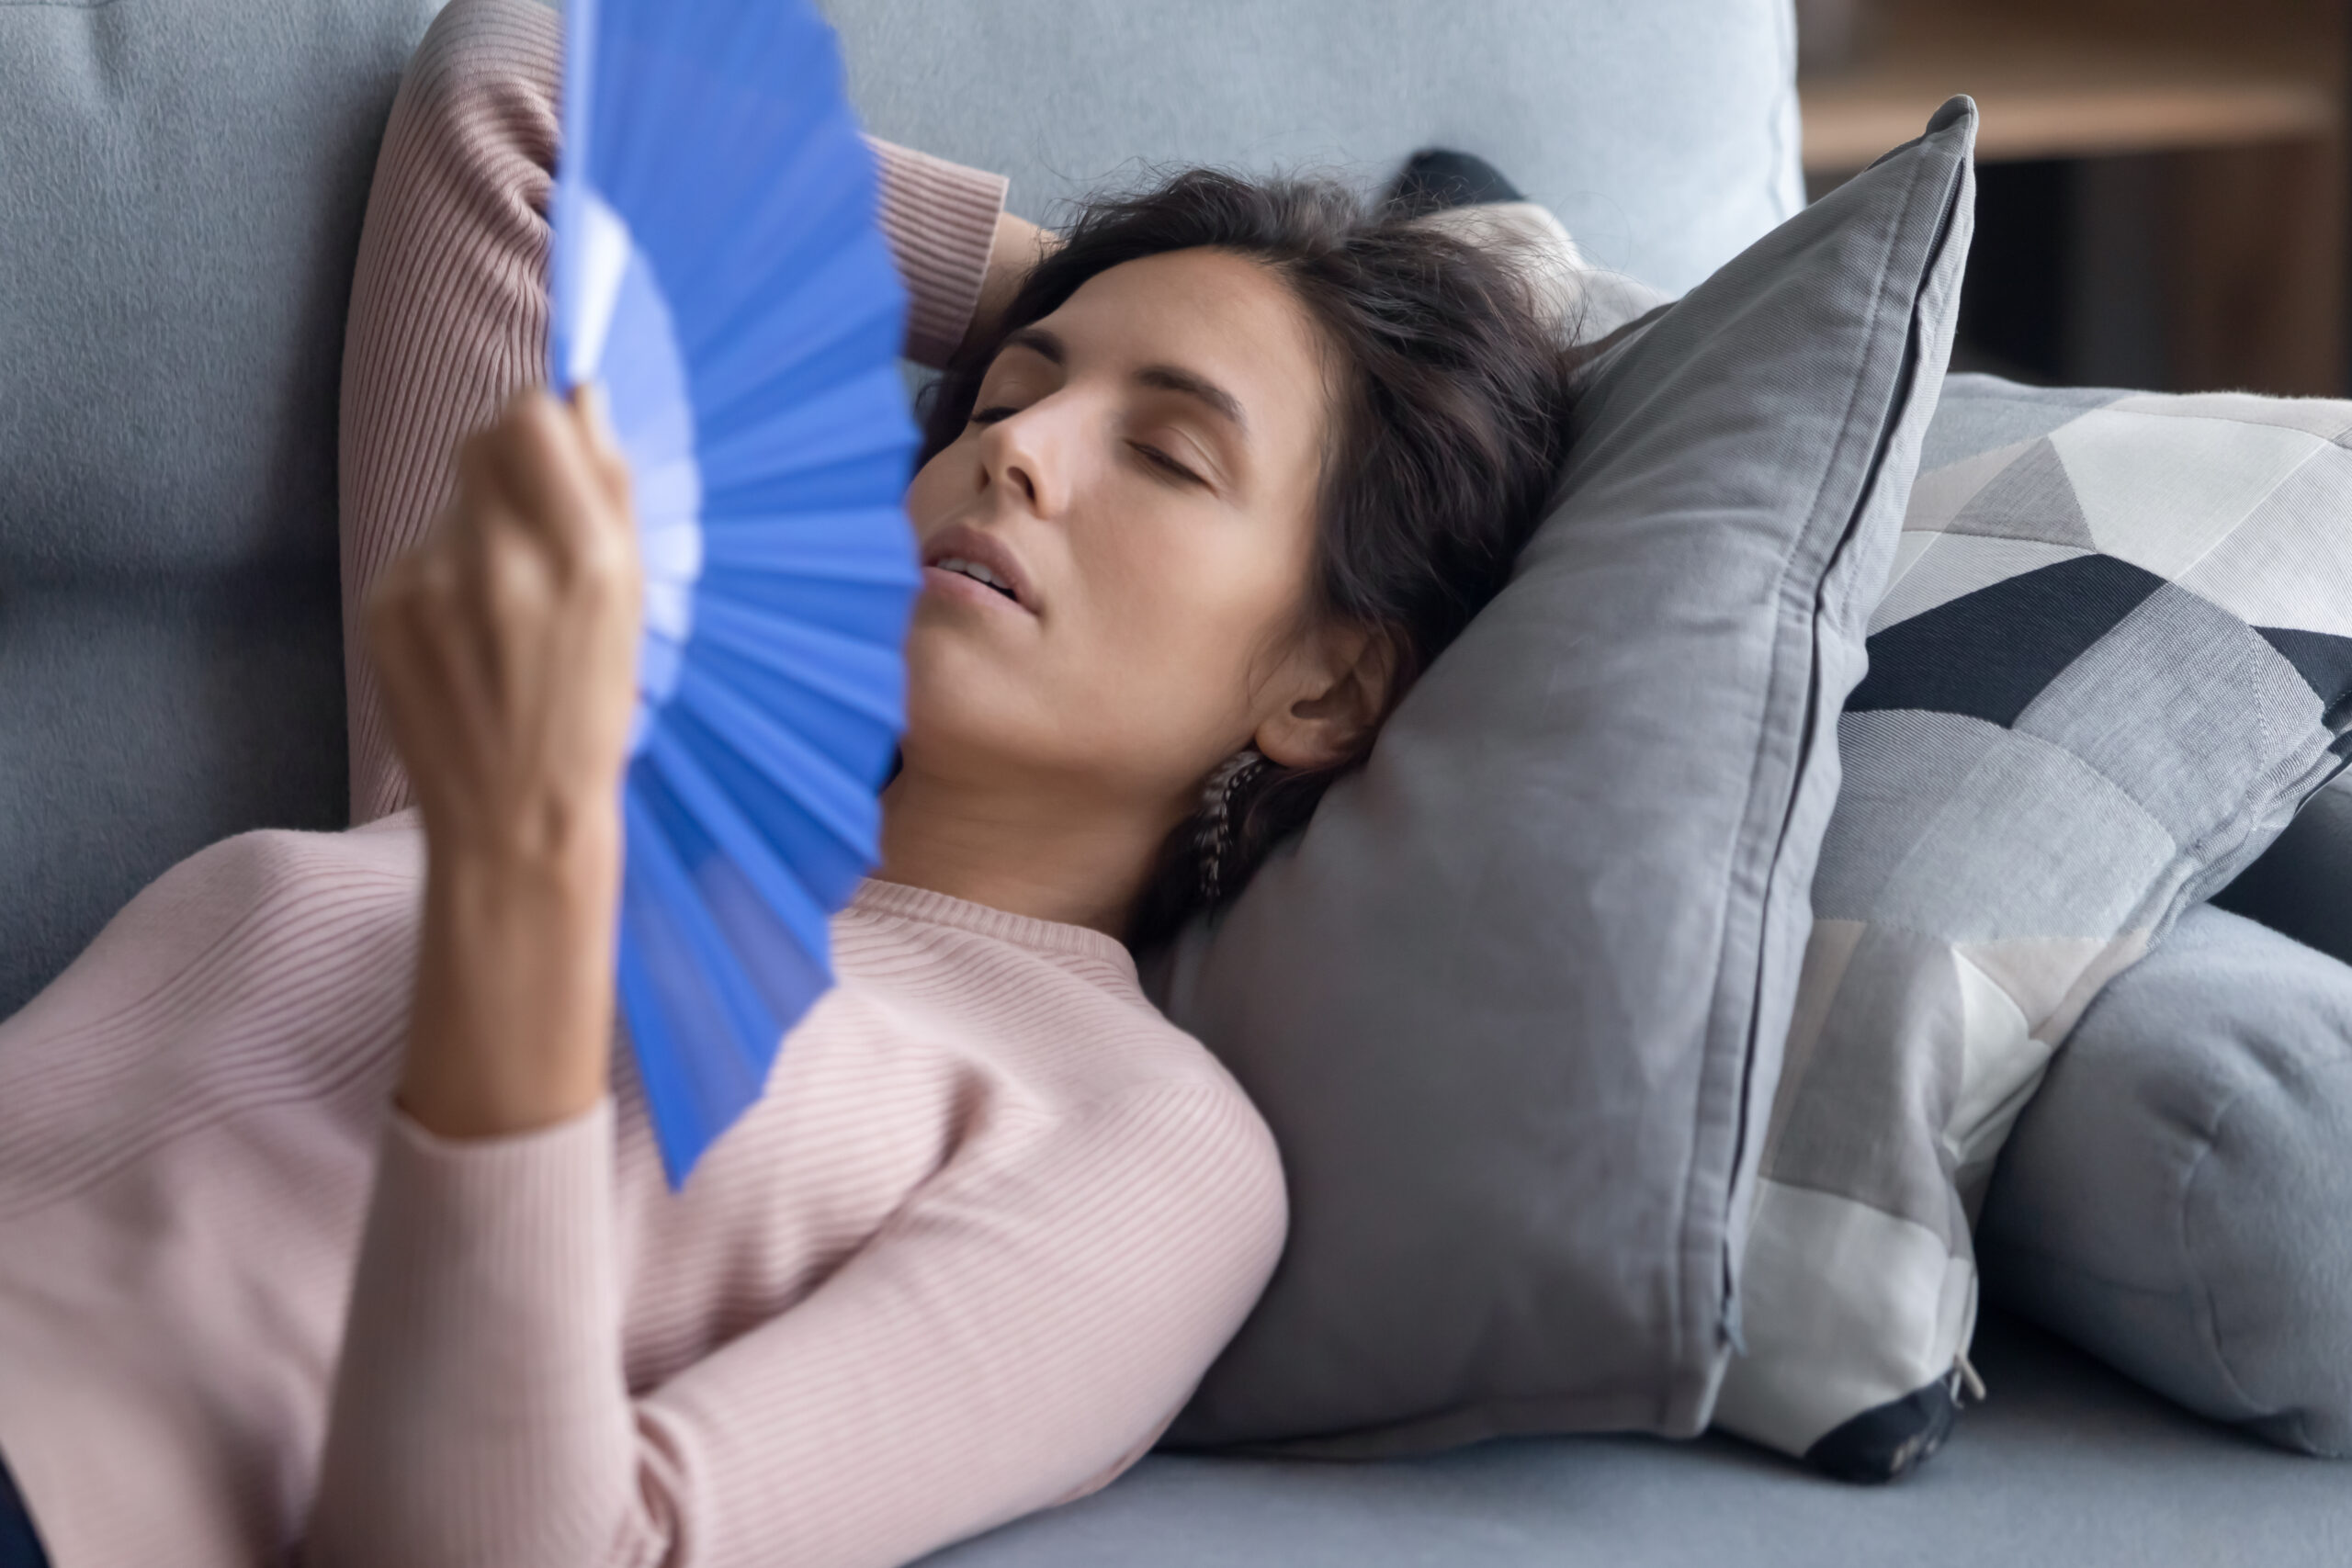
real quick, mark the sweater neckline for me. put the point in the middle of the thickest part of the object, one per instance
(900, 901)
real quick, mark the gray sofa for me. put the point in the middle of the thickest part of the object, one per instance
(180, 189)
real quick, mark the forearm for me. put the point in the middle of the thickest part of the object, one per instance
(513, 1019)
(1017, 248)
(480, 1412)
(961, 255)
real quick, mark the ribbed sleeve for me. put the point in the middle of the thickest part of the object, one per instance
(449, 315)
(448, 309)
(941, 219)
(478, 1414)
(1015, 1337)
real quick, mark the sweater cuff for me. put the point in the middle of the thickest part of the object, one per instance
(492, 1247)
(505, 1169)
(479, 1411)
(940, 219)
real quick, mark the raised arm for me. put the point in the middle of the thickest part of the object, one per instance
(449, 302)
(959, 252)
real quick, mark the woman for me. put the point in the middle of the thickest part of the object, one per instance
(333, 1231)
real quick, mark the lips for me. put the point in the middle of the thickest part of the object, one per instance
(964, 555)
(975, 572)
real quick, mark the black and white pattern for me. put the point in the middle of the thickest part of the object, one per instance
(2114, 656)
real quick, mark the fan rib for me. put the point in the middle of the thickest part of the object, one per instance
(751, 351)
(838, 804)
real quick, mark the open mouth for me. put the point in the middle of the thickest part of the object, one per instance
(979, 573)
(960, 550)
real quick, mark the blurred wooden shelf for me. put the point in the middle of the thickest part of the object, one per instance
(2048, 90)
(2206, 148)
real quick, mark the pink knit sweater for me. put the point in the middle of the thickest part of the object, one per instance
(992, 1221)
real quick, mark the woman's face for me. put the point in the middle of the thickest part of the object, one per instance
(1139, 481)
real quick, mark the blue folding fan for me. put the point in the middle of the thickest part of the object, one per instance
(717, 266)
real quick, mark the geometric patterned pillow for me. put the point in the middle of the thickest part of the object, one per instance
(2114, 656)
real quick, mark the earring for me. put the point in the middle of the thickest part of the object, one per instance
(1214, 839)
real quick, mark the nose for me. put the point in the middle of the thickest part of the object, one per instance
(1029, 453)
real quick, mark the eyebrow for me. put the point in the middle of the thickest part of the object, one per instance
(1165, 378)
(1172, 379)
(1039, 342)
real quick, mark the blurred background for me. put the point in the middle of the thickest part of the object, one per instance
(2163, 198)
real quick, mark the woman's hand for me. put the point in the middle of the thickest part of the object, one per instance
(507, 645)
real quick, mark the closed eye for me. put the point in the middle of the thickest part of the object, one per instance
(990, 415)
(1167, 464)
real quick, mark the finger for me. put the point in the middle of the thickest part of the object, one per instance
(593, 407)
(547, 469)
(591, 589)
(519, 604)
(604, 560)
(481, 480)
(451, 563)
(432, 697)
(509, 599)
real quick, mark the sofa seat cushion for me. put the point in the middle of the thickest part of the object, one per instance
(2068, 1464)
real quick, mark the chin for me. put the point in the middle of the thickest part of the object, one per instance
(964, 697)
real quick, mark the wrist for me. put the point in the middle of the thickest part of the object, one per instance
(512, 1026)
(502, 1041)
(483, 887)
(554, 837)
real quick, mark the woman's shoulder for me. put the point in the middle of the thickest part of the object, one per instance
(244, 906)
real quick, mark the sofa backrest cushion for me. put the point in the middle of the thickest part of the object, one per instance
(1663, 133)
(181, 184)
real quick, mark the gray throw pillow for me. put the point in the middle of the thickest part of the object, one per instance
(2173, 1199)
(1513, 1003)
(2114, 657)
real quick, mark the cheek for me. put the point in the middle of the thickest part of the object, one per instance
(1169, 611)
(928, 492)
(1187, 605)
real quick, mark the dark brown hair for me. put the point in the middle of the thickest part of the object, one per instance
(1450, 420)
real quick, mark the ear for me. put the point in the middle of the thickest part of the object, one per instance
(1334, 695)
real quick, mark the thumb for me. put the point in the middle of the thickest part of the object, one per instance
(593, 410)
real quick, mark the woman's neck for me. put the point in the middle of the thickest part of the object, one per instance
(1049, 855)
